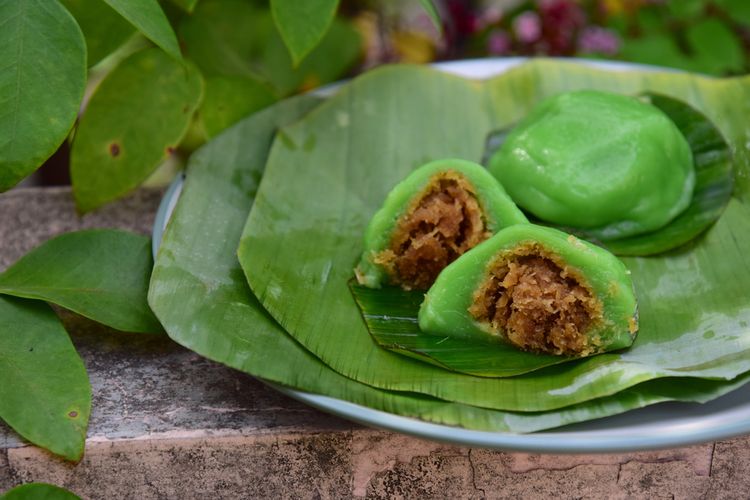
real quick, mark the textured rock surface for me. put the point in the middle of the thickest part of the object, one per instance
(167, 423)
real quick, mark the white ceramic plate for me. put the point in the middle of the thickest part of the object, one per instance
(658, 426)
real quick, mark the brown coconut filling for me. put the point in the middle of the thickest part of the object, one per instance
(442, 223)
(539, 303)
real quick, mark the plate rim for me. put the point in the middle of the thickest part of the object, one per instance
(682, 432)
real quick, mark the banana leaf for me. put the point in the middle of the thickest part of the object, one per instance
(391, 313)
(200, 295)
(328, 173)
(392, 318)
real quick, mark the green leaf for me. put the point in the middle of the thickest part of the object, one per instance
(45, 394)
(186, 5)
(103, 28)
(738, 10)
(149, 19)
(429, 7)
(42, 79)
(651, 20)
(224, 37)
(229, 98)
(38, 491)
(716, 49)
(233, 38)
(338, 51)
(658, 50)
(392, 318)
(134, 120)
(199, 292)
(686, 8)
(100, 274)
(328, 173)
(303, 24)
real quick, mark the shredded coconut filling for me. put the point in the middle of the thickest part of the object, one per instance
(538, 304)
(444, 222)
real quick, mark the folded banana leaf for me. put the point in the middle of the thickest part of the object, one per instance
(200, 295)
(391, 313)
(328, 173)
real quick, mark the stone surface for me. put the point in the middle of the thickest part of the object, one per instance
(730, 470)
(6, 478)
(167, 423)
(31, 216)
(364, 463)
(263, 466)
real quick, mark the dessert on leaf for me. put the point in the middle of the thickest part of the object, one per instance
(439, 212)
(606, 163)
(538, 289)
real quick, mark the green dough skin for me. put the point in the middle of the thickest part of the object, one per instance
(499, 210)
(599, 161)
(445, 310)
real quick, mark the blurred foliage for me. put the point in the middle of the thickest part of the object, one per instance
(251, 53)
(705, 36)
(141, 107)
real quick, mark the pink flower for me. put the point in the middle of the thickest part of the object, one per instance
(595, 39)
(527, 27)
(498, 43)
